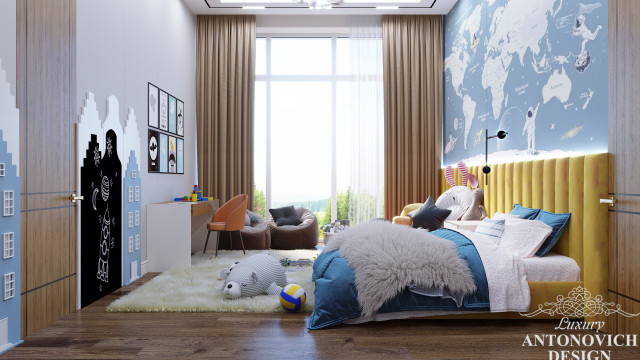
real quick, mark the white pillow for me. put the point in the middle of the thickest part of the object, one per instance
(503, 216)
(491, 228)
(523, 237)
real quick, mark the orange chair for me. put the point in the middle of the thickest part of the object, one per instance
(229, 217)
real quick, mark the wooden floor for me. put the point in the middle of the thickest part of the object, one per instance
(93, 333)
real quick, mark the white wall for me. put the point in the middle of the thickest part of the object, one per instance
(122, 45)
(273, 21)
(8, 41)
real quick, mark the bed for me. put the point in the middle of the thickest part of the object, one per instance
(556, 185)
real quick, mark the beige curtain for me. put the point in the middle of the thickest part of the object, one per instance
(224, 104)
(412, 61)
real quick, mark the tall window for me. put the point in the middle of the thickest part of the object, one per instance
(301, 125)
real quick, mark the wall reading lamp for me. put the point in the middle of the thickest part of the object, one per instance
(500, 135)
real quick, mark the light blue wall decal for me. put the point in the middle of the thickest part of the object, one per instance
(9, 247)
(536, 69)
(131, 241)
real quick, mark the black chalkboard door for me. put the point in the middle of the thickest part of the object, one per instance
(101, 220)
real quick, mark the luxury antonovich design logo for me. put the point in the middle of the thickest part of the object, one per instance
(579, 304)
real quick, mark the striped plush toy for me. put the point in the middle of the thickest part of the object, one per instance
(256, 275)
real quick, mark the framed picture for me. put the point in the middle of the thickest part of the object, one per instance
(164, 111)
(173, 166)
(180, 118)
(180, 155)
(164, 153)
(152, 95)
(172, 114)
(154, 164)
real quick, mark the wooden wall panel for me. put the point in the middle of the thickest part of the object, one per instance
(624, 218)
(46, 99)
(47, 304)
(628, 228)
(48, 246)
(628, 325)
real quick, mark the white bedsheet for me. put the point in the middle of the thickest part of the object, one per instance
(552, 267)
(506, 275)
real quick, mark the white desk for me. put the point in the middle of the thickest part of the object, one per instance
(175, 230)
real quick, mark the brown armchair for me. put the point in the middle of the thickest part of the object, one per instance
(254, 237)
(289, 237)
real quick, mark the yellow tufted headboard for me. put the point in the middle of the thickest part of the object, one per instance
(560, 185)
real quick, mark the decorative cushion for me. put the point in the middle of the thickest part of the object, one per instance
(409, 208)
(429, 216)
(524, 237)
(558, 222)
(491, 228)
(524, 212)
(254, 219)
(503, 216)
(457, 199)
(247, 220)
(285, 216)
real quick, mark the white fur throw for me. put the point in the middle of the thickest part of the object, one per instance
(387, 258)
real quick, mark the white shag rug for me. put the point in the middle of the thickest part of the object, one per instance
(199, 288)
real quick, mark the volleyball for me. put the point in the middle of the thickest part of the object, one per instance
(292, 297)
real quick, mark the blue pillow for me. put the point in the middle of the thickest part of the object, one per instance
(558, 222)
(524, 212)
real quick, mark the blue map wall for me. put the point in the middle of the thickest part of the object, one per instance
(536, 69)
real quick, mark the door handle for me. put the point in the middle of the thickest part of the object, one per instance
(73, 197)
(611, 201)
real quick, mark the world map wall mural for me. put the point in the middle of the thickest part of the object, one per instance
(536, 69)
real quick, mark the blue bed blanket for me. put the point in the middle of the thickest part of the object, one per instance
(336, 297)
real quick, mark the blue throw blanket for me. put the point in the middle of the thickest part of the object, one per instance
(337, 298)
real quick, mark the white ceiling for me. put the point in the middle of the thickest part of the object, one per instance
(348, 7)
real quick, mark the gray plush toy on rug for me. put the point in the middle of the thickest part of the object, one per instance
(256, 275)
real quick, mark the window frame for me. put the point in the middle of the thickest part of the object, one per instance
(334, 78)
(8, 245)
(8, 201)
(9, 285)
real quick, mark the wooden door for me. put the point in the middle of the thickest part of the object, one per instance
(46, 100)
(624, 130)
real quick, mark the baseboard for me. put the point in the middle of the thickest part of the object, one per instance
(10, 346)
(144, 266)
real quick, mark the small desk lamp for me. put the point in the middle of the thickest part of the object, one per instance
(500, 135)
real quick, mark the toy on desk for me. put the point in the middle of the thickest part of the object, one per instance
(300, 262)
(195, 196)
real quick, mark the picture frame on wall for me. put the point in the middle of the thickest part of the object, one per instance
(153, 152)
(180, 118)
(180, 156)
(172, 114)
(173, 160)
(164, 153)
(153, 101)
(164, 111)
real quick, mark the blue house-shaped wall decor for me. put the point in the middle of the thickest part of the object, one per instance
(132, 222)
(10, 252)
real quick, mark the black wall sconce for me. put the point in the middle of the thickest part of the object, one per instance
(500, 135)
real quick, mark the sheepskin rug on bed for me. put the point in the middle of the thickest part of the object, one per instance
(387, 258)
(199, 288)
